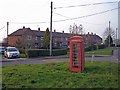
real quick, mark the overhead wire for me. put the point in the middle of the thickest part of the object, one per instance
(81, 21)
(85, 5)
(61, 15)
(2, 28)
(69, 17)
(87, 15)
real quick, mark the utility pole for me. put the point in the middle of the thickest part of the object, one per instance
(51, 29)
(116, 37)
(7, 32)
(109, 34)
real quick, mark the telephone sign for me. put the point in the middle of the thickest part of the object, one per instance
(76, 54)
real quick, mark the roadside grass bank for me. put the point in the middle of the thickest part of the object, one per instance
(58, 75)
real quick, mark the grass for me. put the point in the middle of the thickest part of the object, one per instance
(58, 75)
(106, 51)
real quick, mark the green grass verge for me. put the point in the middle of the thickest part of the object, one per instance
(58, 75)
(106, 51)
(23, 56)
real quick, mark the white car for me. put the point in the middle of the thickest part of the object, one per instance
(11, 52)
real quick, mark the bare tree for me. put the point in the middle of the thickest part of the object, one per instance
(76, 29)
(80, 29)
(70, 29)
(109, 31)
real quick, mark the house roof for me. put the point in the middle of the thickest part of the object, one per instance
(19, 32)
(58, 34)
(38, 33)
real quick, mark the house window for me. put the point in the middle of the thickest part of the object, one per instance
(61, 39)
(55, 44)
(36, 45)
(66, 39)
(36, 38)
(29, 37)
(28, 45)
(41, 38)
(55, 39)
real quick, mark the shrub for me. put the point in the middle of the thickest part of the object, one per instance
(94, 47)
(22, 51)
(23, 55)
(101, 46)
(59, 52)
(90, 48)
(45, 52)
(87, 49)
(112, 45)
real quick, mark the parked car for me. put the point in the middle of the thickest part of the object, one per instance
(11, 52)
(2, 49)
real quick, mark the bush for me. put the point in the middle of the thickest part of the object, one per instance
(87, 49)
(90, 48)
(59, 52)
(22, 51)
(23, 56)
(101, 46)
(112, 45)
(45, 52)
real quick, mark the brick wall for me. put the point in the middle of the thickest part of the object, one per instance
(13, 39)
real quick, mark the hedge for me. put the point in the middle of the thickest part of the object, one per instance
(22, 51)
(101, 46)
(94, 47)
(57, 52)
(90, 48)
(44, 52)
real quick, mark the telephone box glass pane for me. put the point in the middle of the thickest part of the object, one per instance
(75, 57)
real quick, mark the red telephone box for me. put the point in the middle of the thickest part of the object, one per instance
(76, 54)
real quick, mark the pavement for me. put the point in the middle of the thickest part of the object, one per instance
(49, 59)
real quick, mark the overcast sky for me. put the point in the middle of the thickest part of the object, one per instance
(35, 12)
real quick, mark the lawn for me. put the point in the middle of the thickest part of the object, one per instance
(106, 51)
(58, 75)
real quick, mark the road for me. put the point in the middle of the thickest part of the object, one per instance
(48, 60)
(44, 60)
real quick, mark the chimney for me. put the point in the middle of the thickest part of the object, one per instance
(88, 33)
(91, 33)
(23, 27)
(62, 31)
(29, 28)
(54, 30)
(38, 29)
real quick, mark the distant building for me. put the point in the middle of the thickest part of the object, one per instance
(27, 38)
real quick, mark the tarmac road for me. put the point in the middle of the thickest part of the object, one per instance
(44, 60)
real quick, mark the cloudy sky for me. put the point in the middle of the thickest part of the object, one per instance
(36, 13)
